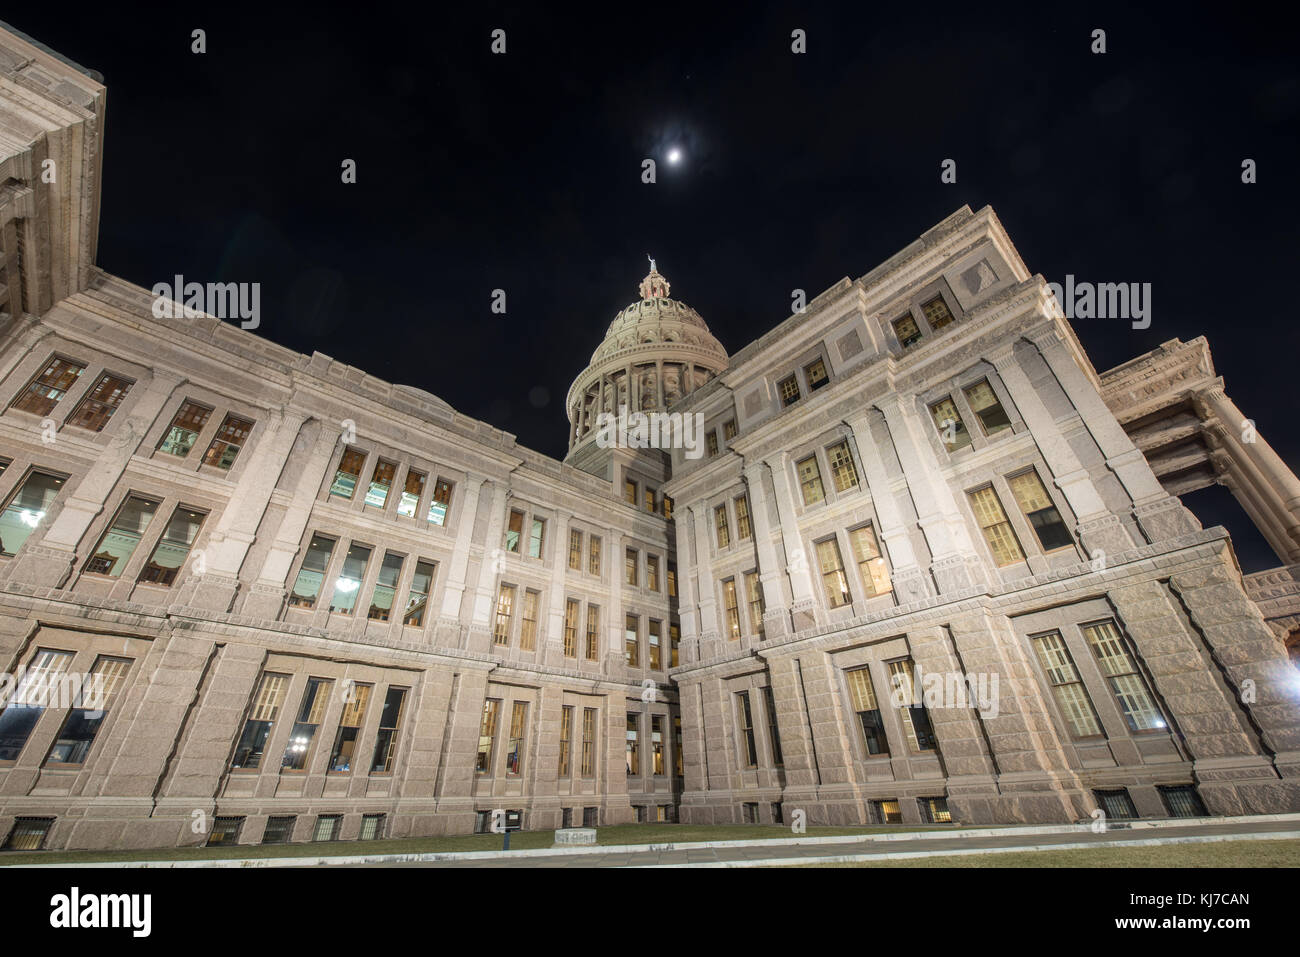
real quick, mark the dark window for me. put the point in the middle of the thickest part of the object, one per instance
(1182, 801)
(1117, 805)
(225, 831)
(279, 830)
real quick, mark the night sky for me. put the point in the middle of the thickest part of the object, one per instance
(523, 172)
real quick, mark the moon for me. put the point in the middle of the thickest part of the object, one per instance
(674, 155)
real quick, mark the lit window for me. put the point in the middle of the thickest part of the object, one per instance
(654, 631)
(327, 828)
(754, 596)
(266, 708)
(417, 600)
(348, 473)
(440, 502)
(916, 720)
(505, 612)
(94, 411)
(668, 506)
(411, 493)
(306, 589)
(173, 548)
(810, 480)
(720, 523)
(746, 719)
(536, 536)
(354, 716)
(346, 586)
(652, 572)
(26, 510)
(571, 608)
(230, 438)
(789, 389)
(372, 827)
(871, 566)
(908, 332)
(730, 603)
(984, 403)
(588, 746)
(575, 549)
(593, 632)
(867, 710)
(487, 732)
(302, 737)
(119, 542)
(630, 566)
(952, 430)
(1127, 684)
(514, 530)
(566, 738)
(381, 480)
(711, 440)
(674, 643)
(1067, 686)
(629, 492)
(657, 747)
(632, 642)
(49, 386)
(184, 430)
(843, 470)
(593, 557)
(834, 581)
(32, 691)
(743, 530)
(649, 499)
(633, 745)
(997, 530)
(672, 580)
(729, 430)
(381, 601)
(936, 313)
(816, 375)
(390, 722)
(515, 749)
(1038, 508)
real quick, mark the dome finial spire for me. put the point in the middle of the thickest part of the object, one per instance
(654, 285)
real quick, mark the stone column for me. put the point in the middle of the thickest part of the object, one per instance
(710, 640)
(776, 616)
(551, 640)
(618, 809)
(688, 610)
(448, 628)
(804, 608)
(454, 785)
(478, 637)
(615, 661)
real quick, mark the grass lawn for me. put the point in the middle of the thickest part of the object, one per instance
(520, 840)
(1281, 853)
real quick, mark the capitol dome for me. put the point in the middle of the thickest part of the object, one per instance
(659, 345)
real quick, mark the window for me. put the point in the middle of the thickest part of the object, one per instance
(306, 589)
(674, 642)
(173, 548)
(871, 566)
(657, 745)
(633, 745)
(390, 722)
(677, 745)
(348, 583)
(754, 596)
(566, 738)
(28, 834)
(934, 810)
(843, 471)
(649, 499)
(297, 753)
(515, 752)
(571, 609)
(629, 491)
(916, 720)
(743, 529)
(629, 566)
(410, 499)
(654, 630)
(590, 816)
(789, 389)
(266, 707)
(230, 438)
(652, 572)
(997, 530)
(505, 612)
(749, 752)
(348, 473)
(908, 332)
(487, 733)
(952, 430)
(185, 428)
(381, 481)
(632, 642)
(1117, 805)
(1034, 501)
(936, 313)
(354, 715)
(279, 829)
(440, 502)
(1067, 687)
(984, 403)
(720, 523)
(729, 602)
(668, 506)
(749, 812)
(810, 480)
(816, 375)
(729, 430)
(672, 580)
(887, 812)
(381, 601)
(773, 730)
(528, 621)
(372, 827)
(867, 710)
(93, 701)
(711, 442)
(99, 404)
(121, 539)
(26, 510)
(575, 549)
(48, 387)
(1182, 801)
(35, 689)
(593, 556)
(1127, 684)
(593, 632)
(588, 747)
(834, 581)
(327, 827)
(417, 599)
(536, 537)
(225, 831)
(514, 530)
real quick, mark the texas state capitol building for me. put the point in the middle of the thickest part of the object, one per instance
(324, 606)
